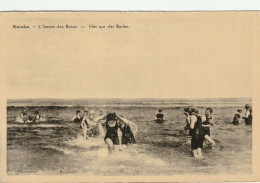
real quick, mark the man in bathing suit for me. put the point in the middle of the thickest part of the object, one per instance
(207, 121)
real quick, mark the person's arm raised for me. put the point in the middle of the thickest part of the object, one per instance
(128, 122)
(103, 117)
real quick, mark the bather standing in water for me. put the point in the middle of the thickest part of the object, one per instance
(197, 134)
(112, 132)
(207, 121)
(84, 123)
(248, 115)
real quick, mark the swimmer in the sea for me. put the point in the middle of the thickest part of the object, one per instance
(248, 115)
(207, 121)
(37, 116)
(127, 134)
(197, 134)
(237, 117)
(160, 116)
(77, 118)
(23, 115)
(30, 119)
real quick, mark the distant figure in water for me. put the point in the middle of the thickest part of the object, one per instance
(77, 118)
(127, 134)
(37, 116)
(207, 121)
(159, 116)
(30, 119)
(237, 117)
(197, 134)
(23, 115)
(248, 115)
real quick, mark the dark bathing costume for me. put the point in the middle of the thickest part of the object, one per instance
(206, 129)
(127, 135)
(112, 133)
(236, 119)
(248, 120)
(159, 117)
(77, 120)
(197, 134)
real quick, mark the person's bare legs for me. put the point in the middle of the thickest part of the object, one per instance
(195, 153)
(85, 132)
(199, 153)
(208, 138)
(110, 145)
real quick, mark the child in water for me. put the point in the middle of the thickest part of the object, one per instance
(159, 116)
(237, 117)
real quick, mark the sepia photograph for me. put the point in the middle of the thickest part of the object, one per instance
(129, 93)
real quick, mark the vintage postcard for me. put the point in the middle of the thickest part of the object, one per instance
(129, 96)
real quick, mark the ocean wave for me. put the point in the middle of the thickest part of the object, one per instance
(61, 149)
(35, 125)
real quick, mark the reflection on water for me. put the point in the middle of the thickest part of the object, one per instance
(56, 146)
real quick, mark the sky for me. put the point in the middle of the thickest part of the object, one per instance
(167, 55)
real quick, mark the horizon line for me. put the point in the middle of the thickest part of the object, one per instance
(44, 98)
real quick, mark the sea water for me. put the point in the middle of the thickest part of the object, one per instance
(56, 145)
